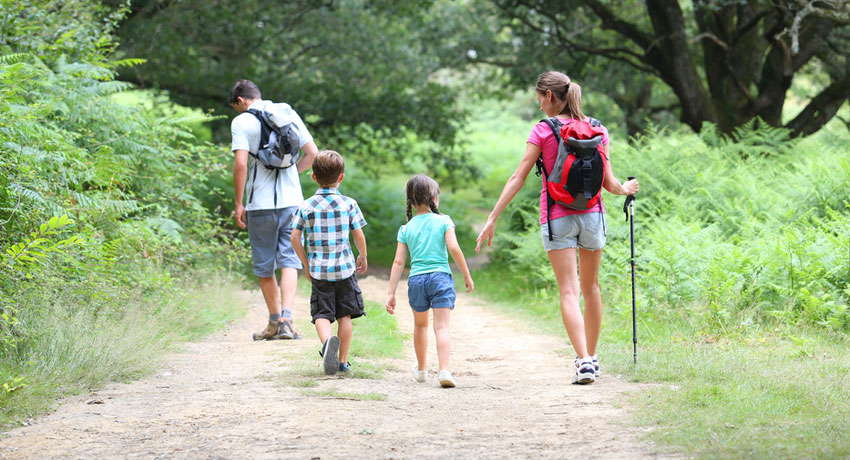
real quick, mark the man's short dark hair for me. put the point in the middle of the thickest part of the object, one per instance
(246, 89)
(327, 166)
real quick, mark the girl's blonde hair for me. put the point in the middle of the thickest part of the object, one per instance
(564, 90)
(421, 190)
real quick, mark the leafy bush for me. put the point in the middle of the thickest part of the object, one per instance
(99, 200)
(729, 231)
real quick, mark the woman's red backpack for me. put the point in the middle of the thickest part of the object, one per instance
(576, 179)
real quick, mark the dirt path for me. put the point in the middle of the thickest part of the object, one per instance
(222, 399)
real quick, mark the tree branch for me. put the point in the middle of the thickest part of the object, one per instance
(821, 108)
(612, 22)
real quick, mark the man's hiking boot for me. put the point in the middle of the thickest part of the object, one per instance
(269, 333)
(330, 355)
(286, 331)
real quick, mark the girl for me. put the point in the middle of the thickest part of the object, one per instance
(430, 285)
(572, 231)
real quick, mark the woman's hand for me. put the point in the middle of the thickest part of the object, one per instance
(390, 305)
(630, 187)
(487, 233)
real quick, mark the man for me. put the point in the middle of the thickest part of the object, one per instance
(272, 199)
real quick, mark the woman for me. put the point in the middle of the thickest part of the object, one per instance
(581, 231)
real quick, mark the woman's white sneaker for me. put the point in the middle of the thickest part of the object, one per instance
(585, 372)
(418, 375)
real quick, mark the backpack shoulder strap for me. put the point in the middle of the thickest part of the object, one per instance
(594, 122)
(555, 125)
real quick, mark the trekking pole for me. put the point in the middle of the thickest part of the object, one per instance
(629, 209)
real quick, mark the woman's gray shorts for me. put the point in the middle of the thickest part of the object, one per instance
(587, 231)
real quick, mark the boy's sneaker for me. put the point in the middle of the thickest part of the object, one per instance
(418, 375)
(330, 355)
(446, 379)
(286, 331)
(596, 371)
(269, 333)
(344, 368)
(585, 373)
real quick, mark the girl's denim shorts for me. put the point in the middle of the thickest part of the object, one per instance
(431, 290)
(586, 231)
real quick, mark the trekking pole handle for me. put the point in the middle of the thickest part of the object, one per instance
(629, 200)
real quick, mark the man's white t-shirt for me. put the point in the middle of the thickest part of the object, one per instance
(245, 131)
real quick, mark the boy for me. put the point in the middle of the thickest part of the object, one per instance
(326, 219)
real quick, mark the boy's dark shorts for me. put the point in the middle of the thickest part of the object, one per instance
(336, 299)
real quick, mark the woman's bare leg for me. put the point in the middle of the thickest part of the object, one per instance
(564, 264)
(588, 271)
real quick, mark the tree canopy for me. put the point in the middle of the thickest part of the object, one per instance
(722, 61)
(355, 69)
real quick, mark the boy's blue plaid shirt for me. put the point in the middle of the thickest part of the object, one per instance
(326, 219)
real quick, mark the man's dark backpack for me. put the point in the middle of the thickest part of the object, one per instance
(576, 179)
(279, 145)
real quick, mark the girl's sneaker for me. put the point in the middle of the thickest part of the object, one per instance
(418, 375)
(446, 379)
(596, 371)
(585, 373)
(344, 368)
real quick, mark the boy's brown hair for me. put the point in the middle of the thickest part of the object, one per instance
(328, 166)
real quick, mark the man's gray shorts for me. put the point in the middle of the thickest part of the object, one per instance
(269, 231)
(587, 231)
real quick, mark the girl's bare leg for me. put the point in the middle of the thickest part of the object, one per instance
(420, 338)
(564, 264)
(442, 317)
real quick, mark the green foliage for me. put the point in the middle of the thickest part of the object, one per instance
(363, 75)
(785, 399)
(100, 206)
(729, 231)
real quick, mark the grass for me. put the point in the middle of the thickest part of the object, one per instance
(769, 391)
(376, 339)
(334, 393)
(73, 350)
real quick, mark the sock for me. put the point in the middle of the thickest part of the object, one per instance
(594, 358)
(286, 314)
(274, 318)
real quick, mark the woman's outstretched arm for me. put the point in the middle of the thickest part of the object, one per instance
(612, 184)
(512, 187)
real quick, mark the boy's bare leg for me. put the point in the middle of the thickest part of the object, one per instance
(420, 338)
(324, 329)
(344, 333)
(443, 334)
(269, 287)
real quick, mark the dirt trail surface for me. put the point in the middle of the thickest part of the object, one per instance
(223, 399)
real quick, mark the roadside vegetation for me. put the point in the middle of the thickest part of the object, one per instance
(743, 283)
(109, 256)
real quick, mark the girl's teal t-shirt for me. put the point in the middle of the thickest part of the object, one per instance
(425, 237)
